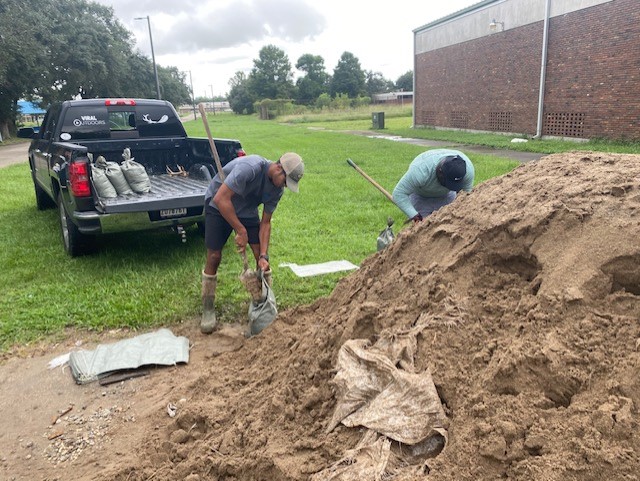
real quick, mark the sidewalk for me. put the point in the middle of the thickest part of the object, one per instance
(478, 149)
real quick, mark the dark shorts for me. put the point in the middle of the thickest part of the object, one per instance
(217, 230)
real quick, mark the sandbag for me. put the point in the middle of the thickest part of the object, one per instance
(386, 237)
(135, 173)
(117, 178)
(101, 182)
(263, 312)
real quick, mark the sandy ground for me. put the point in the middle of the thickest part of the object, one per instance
(523, 302)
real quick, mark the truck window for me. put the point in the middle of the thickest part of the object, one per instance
(158, 121)
(122, 120)
(90, 122)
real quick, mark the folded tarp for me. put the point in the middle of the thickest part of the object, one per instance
(155, 348)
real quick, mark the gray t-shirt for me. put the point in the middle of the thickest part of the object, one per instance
(247, 178)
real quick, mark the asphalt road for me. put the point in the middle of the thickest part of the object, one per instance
(13, 153)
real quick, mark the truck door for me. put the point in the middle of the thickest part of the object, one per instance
(41, 152)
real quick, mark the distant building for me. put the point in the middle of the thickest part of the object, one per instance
(561, 68)
(222, 106)
(399, 98)
(29, 112)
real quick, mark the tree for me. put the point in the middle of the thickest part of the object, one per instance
(60, 49)
(241, 99)
(405, 82)
(88, 49)
(21, 56)
(173, 86)
(376, 83)
(271, 76)
(315, 82)
(348, 77)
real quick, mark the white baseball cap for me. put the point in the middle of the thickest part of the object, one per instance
(294, 168)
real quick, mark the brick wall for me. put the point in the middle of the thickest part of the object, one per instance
(592, 86)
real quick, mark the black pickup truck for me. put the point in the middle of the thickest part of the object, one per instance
(77, 132)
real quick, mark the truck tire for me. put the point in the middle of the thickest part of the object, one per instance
(75, 242)
(43, 201)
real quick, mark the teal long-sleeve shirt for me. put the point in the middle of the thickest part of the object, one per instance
(421, 179)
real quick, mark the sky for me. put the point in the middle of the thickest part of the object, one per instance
(212, 40)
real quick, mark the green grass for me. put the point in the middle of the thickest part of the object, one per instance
(398, 121)
(150, 279)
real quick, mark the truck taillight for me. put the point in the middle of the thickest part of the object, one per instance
(79, 178)
(240, 153)
(119, 102)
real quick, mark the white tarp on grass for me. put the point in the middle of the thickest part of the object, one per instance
(317, 269)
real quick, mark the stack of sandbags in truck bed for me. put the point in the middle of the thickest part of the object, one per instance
(112, 179)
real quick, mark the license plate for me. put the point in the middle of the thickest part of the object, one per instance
(164, 213)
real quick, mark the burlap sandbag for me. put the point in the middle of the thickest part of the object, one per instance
(135, 173)
(372, 391)
(101, 182)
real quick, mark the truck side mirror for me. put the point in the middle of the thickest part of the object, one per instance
(26, 133)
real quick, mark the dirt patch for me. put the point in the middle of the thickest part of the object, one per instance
(525, 296)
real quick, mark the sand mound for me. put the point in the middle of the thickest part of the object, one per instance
(525, 296)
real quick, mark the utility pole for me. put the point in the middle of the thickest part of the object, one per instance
(213, 105)
(153, 56)
(193, 97)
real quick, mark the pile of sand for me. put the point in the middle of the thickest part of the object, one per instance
(526, 297)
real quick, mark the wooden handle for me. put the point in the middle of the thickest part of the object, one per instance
(212, 144)
(375, 184)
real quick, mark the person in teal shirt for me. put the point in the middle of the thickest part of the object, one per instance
(433, 180)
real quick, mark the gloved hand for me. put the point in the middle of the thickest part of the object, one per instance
(417, 218)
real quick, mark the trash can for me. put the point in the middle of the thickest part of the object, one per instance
(378, 120)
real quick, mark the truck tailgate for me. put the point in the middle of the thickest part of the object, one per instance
(167, 192)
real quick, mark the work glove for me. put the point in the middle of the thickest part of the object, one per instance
(417, 218)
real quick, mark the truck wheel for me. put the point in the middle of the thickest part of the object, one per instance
(43, 201)
(75, 242)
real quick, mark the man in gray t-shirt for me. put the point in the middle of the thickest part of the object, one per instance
(231, 204)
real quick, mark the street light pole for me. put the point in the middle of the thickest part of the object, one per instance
(213, 105)
(153, 55)
(193, 96)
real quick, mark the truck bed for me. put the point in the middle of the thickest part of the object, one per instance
(167, 192)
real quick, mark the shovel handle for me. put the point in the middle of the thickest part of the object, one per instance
(245, 263)
(375, 184)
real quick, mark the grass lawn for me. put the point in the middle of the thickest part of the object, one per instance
(149, 279)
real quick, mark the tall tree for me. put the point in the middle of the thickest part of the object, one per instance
(271, 76)
(60, 49)
(348, 77)
(405, 81)
(241, 98)
(315, 82)
(22, 56)
(376, 83)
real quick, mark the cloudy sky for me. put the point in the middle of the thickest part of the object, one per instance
(215, 39)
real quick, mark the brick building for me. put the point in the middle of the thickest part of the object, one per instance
(481, 69)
